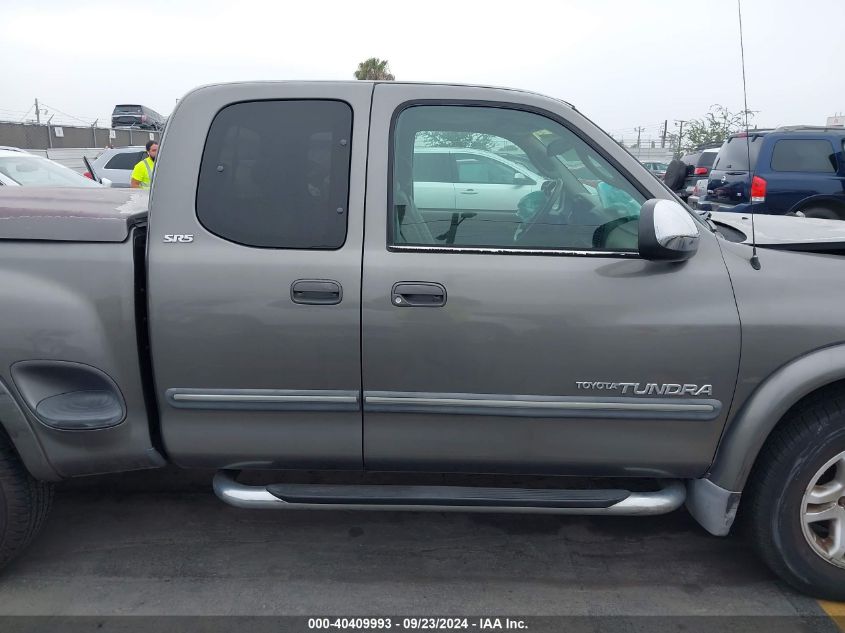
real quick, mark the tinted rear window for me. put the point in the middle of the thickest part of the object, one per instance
(276, 174)
(432, 167)
(125, 160)
(127, 109)
(804, 155)
(706, 159)
(734, 153)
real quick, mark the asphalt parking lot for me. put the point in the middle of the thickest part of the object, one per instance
(162, 544)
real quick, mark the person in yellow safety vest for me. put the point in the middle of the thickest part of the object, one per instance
(142, 174)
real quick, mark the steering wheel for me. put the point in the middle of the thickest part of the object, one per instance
(554, 191)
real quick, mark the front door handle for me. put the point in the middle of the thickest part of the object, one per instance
(323, 292)
(418, 294)
(468, 192)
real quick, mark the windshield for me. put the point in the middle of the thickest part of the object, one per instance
(34, 171)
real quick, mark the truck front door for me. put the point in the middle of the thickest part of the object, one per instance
(540, 342)
(254, 276)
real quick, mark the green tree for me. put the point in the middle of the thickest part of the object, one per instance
(374, 69)
(457, 139)
(714, 127)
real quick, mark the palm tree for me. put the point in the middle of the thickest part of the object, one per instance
(374, 69)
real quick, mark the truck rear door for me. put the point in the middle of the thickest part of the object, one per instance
(254, 275)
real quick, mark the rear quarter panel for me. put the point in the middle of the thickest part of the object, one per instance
(74, 301)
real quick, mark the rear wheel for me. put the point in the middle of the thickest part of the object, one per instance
(24, 503)
(823, 213)
(796, 496)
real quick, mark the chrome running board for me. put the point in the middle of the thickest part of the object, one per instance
(448, 498)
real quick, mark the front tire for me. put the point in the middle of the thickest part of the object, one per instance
(24, 503)
(796, 497)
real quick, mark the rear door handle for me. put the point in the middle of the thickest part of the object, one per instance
(468, 192)
(316, 292)
(418, 294)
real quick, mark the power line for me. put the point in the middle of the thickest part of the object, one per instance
(14, 113)
(86, 122)
(26, 114)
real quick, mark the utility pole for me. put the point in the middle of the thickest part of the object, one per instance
(680, 132)
(639, 132)
(37, 112)
(665, 129)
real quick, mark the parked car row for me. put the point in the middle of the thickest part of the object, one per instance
(795, 170)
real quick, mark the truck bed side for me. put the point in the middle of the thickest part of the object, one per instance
(68, 345)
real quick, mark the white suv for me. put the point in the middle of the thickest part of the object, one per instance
(461, 178)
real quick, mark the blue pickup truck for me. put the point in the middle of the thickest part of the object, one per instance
(789, 170)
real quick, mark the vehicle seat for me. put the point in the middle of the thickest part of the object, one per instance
(410, 226)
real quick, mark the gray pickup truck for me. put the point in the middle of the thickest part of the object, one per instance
(307, 289)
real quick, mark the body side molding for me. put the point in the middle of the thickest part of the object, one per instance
(542, 406)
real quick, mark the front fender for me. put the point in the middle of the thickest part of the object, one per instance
(748, 430)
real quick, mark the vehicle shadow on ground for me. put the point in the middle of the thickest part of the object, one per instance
(160, 542)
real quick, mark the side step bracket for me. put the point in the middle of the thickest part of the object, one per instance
(448, 498)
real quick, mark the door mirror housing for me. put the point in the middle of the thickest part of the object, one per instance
(106, 182)
(521, 179)
(666, 231)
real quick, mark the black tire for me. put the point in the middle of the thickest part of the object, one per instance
(24, 503)
(809, 436)
(824, 213)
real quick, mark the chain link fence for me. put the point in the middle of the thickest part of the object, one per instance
(34, 136)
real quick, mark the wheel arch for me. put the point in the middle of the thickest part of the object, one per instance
(714, 500)
(14, 424)
(821, 200)
(766, 408)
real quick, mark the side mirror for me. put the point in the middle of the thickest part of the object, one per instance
(521, 179)
(666, 231)
(105, 182)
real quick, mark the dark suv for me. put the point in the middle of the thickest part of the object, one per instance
(791, 170)
(132, 115)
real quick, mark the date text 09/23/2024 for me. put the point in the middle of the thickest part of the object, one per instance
(419, 623)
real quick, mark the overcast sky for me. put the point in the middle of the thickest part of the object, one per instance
(623, 63)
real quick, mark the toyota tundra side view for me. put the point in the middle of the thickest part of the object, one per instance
(281, 300)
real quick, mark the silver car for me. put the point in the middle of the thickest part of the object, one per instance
(116, 164)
